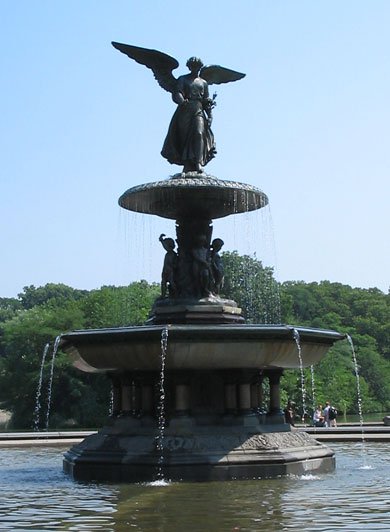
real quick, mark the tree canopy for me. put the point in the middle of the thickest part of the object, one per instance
(36, 318)
(364, 314)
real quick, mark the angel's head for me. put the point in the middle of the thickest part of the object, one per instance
(194, 64)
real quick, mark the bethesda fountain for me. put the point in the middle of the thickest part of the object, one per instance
(188, 386)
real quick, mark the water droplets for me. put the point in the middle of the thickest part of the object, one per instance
(161, 407)
(50, 385)
(37, 410)
(303, 387)
(359, 397)
(38, 406)
(313, 387)
(159, 483)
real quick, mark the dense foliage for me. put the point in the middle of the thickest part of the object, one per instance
(36, 318)
(38, 315)
(253, 287)
(363, 314)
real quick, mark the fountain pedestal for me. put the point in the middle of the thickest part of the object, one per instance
(210, 310)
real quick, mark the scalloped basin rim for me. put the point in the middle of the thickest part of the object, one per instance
(201, 194)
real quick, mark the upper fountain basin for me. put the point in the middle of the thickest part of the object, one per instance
(186, 195)
(196, 347)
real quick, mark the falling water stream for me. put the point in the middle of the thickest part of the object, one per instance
(359, 397)
(37, 410)
(50, 385)
(161, 408)
(313, 387)
(111, 403)
(303, 387)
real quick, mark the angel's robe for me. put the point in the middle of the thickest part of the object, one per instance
(189, 140)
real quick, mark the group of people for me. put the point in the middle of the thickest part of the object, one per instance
(325, 417)
(321, 417)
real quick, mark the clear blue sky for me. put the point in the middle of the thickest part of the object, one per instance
(81, 123)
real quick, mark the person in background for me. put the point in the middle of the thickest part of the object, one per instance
(289, 413)
(318, 417)
(326, 414)
(330, 414)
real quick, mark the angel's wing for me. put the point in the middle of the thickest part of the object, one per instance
(215, 74)
(161, 64)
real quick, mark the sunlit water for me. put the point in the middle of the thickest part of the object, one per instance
(297, 340)
(36, 495)
(37, 410)
(161, 405)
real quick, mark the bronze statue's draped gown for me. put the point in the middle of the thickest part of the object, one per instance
(189, 140)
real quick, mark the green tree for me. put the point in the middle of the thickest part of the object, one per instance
(55, 293)
(77, 397)
(112, 306)
(23, 340)
(9, 306)
(252, 286)
(364, 315)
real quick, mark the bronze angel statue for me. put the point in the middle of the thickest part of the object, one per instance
(190, 140)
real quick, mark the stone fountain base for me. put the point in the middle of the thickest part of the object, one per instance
(214, 413)
(126, 451)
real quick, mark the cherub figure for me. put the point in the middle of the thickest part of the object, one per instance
(168, 272)
(217, 264)
(190, 141)
(201, 266)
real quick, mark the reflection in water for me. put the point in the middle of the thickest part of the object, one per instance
(35, 495)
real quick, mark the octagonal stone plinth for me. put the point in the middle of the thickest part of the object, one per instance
(121, 454)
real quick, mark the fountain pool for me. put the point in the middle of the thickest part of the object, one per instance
(36, 495)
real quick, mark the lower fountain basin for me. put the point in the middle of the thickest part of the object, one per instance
(196, 347)
(206, 410)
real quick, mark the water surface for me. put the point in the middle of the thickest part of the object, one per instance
(36, 495)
